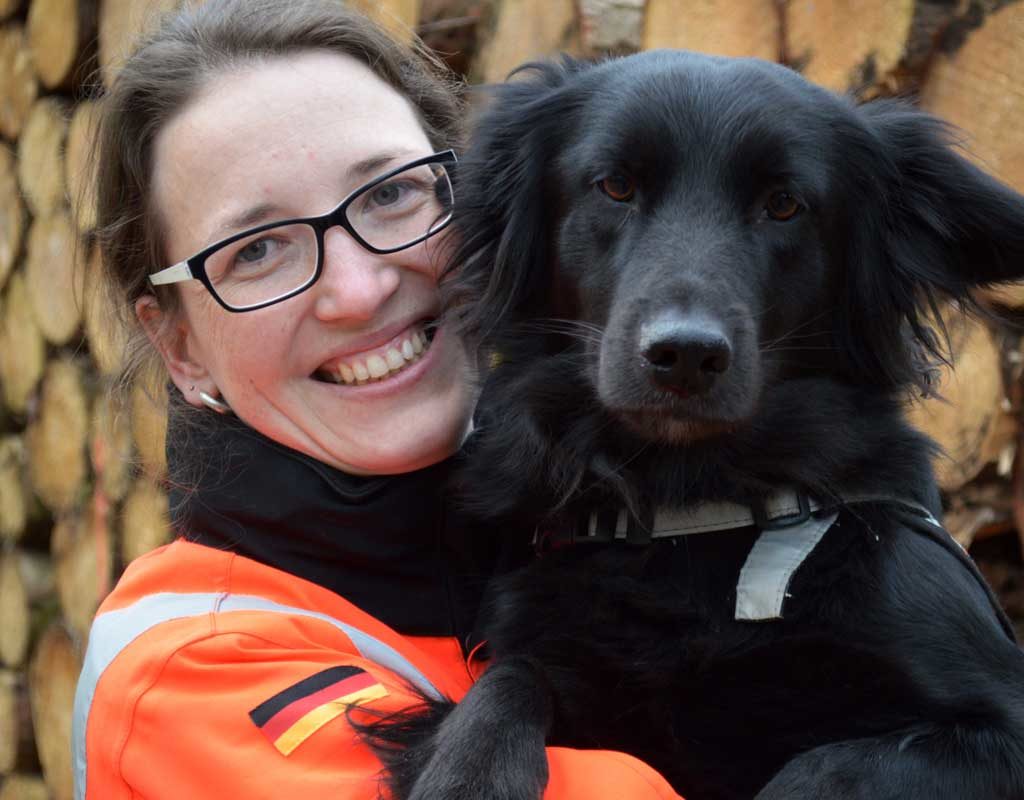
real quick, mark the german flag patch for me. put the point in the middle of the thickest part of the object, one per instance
(290, 717)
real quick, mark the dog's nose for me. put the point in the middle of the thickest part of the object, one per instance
(684, 354)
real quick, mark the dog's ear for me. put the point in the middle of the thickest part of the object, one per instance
(506, 198)
(955, 226)
(925, 221)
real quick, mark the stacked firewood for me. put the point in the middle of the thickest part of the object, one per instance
(80, 479)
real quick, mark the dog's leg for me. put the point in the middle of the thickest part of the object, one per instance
(491, 747)
(929, 762)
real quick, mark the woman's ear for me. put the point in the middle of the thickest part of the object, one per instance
(171, 336)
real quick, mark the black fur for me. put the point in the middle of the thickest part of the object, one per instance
(890, 675)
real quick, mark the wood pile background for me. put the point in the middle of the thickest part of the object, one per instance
(80, 491)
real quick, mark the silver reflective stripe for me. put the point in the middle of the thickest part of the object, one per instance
(771, 564)
(115, 630)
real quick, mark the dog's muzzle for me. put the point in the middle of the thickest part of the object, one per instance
(684, 354)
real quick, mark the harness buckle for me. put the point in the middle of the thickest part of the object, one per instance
(767, 523)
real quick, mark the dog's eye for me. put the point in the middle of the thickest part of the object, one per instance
(617, 187)
(782, 206)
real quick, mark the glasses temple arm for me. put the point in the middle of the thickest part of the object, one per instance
(176, 274)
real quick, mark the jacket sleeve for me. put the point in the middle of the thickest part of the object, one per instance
(235, 715)
(603, 775)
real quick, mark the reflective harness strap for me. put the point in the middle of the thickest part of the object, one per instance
(113, 631)
(790, 525)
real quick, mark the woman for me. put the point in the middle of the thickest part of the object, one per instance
(303, 367)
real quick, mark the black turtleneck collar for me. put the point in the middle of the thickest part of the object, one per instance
(391, 545)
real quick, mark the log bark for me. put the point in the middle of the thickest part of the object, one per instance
(967, 419)
(12, 215)
(17, 746)
(83, 567)
(149, 428)
(110, 448)
(40, 161)
(145, 525)
(103, 330)
(18, 86)
(122, 23)
(849, 45)
(59, 32)
(715, 26)
(612, 26)
(79, 164)
(56, 438)
(52, 278)
(22, 349)
(52, 677)
(526, 30)
(23, 787)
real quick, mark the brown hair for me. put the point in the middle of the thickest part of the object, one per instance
(166, 72)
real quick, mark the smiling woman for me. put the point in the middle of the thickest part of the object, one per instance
(275, 190)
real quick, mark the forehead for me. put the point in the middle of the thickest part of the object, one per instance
(694, 113)
(282, 132)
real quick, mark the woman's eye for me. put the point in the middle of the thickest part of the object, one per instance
(386, 194)
(782, 206)
(254, 251)
(618, 187)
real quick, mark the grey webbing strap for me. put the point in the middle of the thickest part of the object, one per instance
(778, 554)
(791, 525)
(707, 517)
(771, 564)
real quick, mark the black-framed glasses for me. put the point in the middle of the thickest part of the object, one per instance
(272, 262)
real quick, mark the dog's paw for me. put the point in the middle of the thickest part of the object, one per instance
(491, 746)
(492, 768)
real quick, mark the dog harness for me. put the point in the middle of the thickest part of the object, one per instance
(790, 525)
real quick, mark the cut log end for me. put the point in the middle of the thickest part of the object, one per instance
(40, 161)
(18, 85)
(12, 214)
(145, 523)
(56, 438)
(22, 348)
(53, 278)
(52, 677)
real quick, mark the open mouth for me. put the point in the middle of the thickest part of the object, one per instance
(374, 366)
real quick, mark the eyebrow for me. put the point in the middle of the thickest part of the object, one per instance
(366, 169)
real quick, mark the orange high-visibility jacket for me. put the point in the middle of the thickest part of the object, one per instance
(210, 676)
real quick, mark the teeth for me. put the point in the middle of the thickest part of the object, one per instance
(380, 365)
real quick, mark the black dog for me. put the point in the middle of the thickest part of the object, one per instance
(706, 280)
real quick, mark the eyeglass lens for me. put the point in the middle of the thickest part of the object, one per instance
(275, 262)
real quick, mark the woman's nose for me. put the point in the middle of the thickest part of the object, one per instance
(354, 283)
